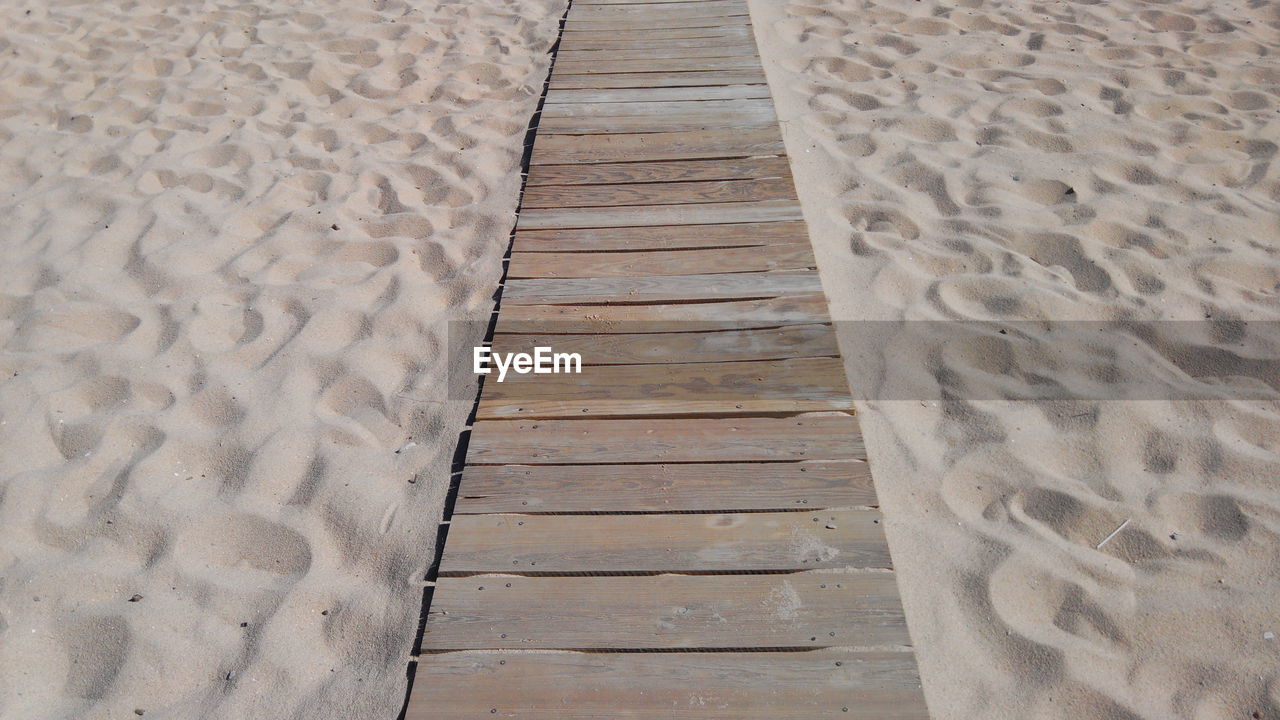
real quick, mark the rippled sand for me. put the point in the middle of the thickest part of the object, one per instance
(1001, 161)
(233, 234)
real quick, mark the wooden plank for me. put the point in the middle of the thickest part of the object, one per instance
(679, 193)
(814, 436)
(684, 542)
(706, 8)
(671, 390)
(658, 289)
(652, 65)
(793, 256)
(571, 37)
(637, 147)
(675, 47)
(683, 317)
(640, 216)
(790, 342)
(658, 94)
(883, 685)
(669, 237)
(628, 50)
(657, 80)
(727, 487)
(652, 20)
(747, 168)
(807, 609)
(671, 123)
(753, 108)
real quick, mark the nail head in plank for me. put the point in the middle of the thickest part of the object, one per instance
(812, 485)
(817, 436)
(686, 542)
(806, 609)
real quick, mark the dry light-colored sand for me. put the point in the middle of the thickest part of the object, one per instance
(1017, 160)
(233, 234)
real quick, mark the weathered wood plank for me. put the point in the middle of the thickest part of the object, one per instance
(652, 20)
(705, 487)
(684, 542)
(753, 108)
(816, 436)
(682, 317)
(670, 237)
(808, 609)
(657, 94)
(778, 343)
(746, 168)
(691, 145)
(651, 65)
(793, 256)
(571, 37)
(671, 123)
(679, 193)
(657, 80)
(883, 685)
(642, 215)
(629, 50)
(672, 389)
(658, 289)
(706, 8)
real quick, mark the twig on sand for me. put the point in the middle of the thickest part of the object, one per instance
(1114, 533)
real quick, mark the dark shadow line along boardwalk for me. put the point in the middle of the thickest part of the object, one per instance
(688, 529)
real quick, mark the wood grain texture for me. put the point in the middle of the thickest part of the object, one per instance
(698, 487)
(658, 80)
(756, 106)
(800, 309)
(745, 168)
(649, 215)
(672, 390)
(659, 262)
(657, 94)
(636, 147)
(777, 343)
(688, 542)
(671, 237)
(659, 289)
(689, 122)
(650, 194)
(806, 609)
(650, 65)
(818, 436)
(627, 50)
(879, 685)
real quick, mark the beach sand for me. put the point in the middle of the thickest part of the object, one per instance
(234, 234)
(1070, 161)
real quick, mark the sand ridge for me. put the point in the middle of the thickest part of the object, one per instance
(1023, 161)
(234, 234)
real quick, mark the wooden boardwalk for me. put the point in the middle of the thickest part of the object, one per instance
(688, 529)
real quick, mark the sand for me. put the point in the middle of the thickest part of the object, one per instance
(233, 237)
(1066, 161)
